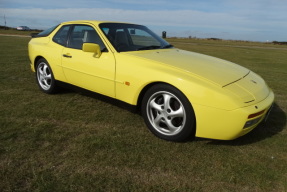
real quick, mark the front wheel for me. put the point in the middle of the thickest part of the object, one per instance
(45, 77)
(168, 113)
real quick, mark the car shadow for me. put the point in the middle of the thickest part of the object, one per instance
(68, 88)
(275, 123)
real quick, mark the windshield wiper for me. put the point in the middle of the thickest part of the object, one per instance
(167, 46)
(149, 47)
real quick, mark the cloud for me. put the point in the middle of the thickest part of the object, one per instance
(177, 21)
(186, 18)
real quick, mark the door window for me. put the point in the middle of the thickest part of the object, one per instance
(84, 34)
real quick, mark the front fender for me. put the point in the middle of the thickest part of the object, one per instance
(131, 80)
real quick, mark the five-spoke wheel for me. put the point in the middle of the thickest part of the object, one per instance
(168, 113)
(44, 77)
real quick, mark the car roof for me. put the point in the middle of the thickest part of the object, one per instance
(95, 22)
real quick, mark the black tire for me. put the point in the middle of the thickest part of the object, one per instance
(45, 78)
(168, 113)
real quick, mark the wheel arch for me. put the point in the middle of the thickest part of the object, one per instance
(36, 60)
(144, 90)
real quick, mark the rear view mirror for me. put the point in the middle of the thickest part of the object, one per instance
(133, 31)
(92, 48)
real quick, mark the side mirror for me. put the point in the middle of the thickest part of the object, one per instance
(92, 48)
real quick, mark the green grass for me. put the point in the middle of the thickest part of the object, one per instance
(74, 142)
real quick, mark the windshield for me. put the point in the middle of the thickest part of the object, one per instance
(130, 37)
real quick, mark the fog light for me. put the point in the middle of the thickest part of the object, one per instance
(251, 122)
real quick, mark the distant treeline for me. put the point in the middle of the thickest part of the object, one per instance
(4, 27)
(12, 28)
(280, 43)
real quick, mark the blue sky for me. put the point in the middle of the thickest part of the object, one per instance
(256, 20)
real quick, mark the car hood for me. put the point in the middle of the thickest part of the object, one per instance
(212, 69)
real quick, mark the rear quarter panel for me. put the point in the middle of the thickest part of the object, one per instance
(44, 47)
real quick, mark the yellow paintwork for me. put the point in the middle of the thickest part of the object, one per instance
(222, 93)
(87, 71)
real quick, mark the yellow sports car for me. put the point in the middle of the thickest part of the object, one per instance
(180, 93)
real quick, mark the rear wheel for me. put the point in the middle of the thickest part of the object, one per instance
(45, 77)
(168, 113)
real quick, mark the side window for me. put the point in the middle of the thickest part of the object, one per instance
(84, 34)
(62, 35)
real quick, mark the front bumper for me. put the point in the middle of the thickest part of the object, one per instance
(32, 67)
(227, 125)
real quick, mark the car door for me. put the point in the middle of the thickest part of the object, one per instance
(85, 70)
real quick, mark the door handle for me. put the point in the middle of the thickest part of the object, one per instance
(67, 55)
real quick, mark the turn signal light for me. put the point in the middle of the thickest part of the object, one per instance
(256, 114)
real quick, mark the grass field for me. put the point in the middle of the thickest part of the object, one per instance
(74, 142)
(16, 32)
